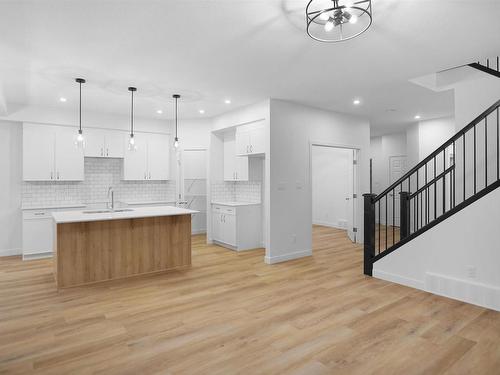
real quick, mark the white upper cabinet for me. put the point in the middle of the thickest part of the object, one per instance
(158, 157)
(235, 167)
(69, 164)
(250, 139)
(151, 159)
(38, 152)
(100, 143)
(50, 154)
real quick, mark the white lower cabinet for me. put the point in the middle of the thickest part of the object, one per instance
(237, 227)
(38, 232)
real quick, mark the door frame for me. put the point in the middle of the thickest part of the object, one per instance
(389, 171)
(356, 179)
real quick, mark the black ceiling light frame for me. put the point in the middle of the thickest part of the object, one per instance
(131, 142)
(80, 141)
(176, 140)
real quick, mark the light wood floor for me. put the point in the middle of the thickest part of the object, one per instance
(232, 314)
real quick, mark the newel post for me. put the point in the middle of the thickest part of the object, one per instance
(404, 214)
(369, 233)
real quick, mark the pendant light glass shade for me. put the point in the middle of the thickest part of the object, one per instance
(176, 139)
(131, 140)
(79, 138)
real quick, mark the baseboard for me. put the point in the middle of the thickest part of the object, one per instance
(328, 224)
(398, 279)
(200, 231)
(38, 256)
(286, 257)
(473, 292)
(10, 252)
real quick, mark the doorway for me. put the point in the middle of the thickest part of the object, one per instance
(334, 187)
(397, 168)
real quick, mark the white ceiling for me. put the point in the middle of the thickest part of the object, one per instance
(245, 50)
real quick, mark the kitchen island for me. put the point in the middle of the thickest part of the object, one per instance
(100, 245)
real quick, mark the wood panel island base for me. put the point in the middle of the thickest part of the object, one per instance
(94, 247)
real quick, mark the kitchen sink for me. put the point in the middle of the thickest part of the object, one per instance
(107, 211)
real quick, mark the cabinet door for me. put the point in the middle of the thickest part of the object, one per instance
(38, 152)
(135, 162)
(229, 159)
(114, 144)
(69, 158)
(216, 226)
(242, 140)
(241, 168)
(257, 139)
(158, 157)
(94, 143)
(38, 235)
(229, 229)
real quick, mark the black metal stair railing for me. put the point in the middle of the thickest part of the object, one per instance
(460, 171)
(490, 66)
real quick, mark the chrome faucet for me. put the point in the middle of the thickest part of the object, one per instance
(112, 205)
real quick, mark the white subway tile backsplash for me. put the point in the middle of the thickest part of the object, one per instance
(100, 174)
(238, 191)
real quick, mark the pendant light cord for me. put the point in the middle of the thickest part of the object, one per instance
(80, 111)
(176, 117)
(132, 116)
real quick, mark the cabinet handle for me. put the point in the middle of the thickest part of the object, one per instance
(107, 152)
(102, 151)
(236, 175)
(251, 148)
(51, 175)
(145, 176)
(58, 175)
(150, 175)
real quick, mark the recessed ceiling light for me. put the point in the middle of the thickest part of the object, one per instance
(417, 117)
(356, 102)
(159, 111)
(61, 99)
(202, 111)
(227, 101)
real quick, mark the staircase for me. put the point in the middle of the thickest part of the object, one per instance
(462, 170)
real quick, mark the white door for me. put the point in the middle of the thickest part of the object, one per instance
(397, 168)
(69, 158)
(216, 226)
(135, 162)
(158, 157)
(351, 198)
(242, 141)
(114, 144)
(38, 152)
(257, 139)
(229, 231)
(94, 143)
(229, 159)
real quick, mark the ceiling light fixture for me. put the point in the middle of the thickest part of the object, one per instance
(131, 141)
(176, 140)
(80, 140)
(227, 101)
(356, 102)
(159, 111)
(339, 20)
(61, 99)
(202, 111)
(417, 117)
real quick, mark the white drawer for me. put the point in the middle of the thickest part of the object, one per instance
(37, 214)
(228, 210)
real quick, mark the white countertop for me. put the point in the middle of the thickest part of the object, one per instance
(53, 206)
(139, 212)
(234, 204)
(143, 203)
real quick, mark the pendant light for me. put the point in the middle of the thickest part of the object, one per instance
(80, 140)
(176, 140)
(131, 141)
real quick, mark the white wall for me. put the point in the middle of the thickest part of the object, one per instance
(10, 188)
(457, 258)
(382, 148)
(293, 128)
(331, 185)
